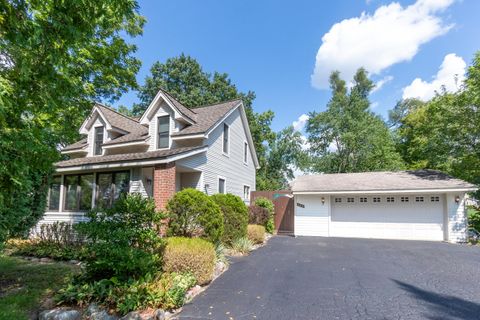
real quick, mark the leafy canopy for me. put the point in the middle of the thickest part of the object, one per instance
(56, 58)
(348, 137)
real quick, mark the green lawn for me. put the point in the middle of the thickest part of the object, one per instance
(25, 285)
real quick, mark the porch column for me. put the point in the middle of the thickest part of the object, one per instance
(163, 184)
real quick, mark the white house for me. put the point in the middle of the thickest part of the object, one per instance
(413, 205)
(169, 148)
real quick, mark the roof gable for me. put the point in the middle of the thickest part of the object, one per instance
(181, 112)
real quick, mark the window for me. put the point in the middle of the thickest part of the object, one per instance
(226, 142)
(404, 199)
(110, 186)
(363, 199)
(376, 199)
(390, 199)
(338, 200)
(245, 152)
(54, 193)
(98, 140)
(435, 199)
(351, 200)
(78, 192)
(419, 199)
(221, 185)
(246, 192)
(163, 138)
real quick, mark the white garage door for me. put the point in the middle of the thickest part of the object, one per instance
(412, 217)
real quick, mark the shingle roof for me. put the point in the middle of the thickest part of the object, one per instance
(378, 181)
(77, 145)
(208, 116)
(121, 121)
(189, 113)
(157, 154)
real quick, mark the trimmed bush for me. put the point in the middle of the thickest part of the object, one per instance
(267, 204)
(235, 216)
(256, 233)
(474, 218)
(123, 241)
(192, 213)
(46, 249)
(190, 255)
(258, 215)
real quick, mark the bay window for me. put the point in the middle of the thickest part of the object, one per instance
(54, 193)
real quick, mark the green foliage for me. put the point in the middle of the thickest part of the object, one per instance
(192, 213)
(474, 218)
(256, 233)
(242, 245)
(123, 241)
(268, 205)
(46, 249)
(258, 215)
(166, 291)
(56, 59)
(187, 255)
(235, 216)
(443, 133)
(348, 137)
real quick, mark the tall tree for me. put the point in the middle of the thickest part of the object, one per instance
(348, 137)
(56, 58)
(185, 79)
(443, 133)
(284, 155)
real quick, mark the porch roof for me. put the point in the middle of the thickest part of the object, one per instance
(126, 157)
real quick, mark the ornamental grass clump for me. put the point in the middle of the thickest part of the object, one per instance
(190, 255)
(256, 233)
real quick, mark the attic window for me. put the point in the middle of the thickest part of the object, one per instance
(98, 141)
(163, 139)
(226, 138)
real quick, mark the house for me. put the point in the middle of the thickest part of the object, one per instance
(413, 205)
(169, 148)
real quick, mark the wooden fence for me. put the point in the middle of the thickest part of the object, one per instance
(284, 208)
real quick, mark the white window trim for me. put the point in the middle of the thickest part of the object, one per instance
(227, 154)
(245, 149)
(169, 131)
(249, 192)
(224, 186)
(103, 141)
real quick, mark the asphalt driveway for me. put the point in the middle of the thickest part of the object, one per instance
(334, 278)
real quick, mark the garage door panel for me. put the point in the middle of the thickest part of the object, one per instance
(412, 220)
(311, 216)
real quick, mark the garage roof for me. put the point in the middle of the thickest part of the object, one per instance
(379, 182)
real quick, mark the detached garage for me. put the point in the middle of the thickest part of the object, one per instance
(409, 205)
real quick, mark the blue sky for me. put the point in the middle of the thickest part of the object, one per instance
(271, 47)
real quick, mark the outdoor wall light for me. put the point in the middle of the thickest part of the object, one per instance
(457, 199)
(149, 181)
(323, 200)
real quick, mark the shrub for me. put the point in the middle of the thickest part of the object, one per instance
(474, 218)
(242, 245)
(256, 233)
(123, 241)
(44, 249)
(187, 255)
(192, 213)
(61, 233)
(235, 216)
(267, 204)
(258, 215)
(166, 291)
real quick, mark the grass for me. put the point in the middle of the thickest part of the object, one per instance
(25, 285)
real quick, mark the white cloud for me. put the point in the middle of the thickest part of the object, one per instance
(391, 35)
(374, 105)
(381, 83)
(300, 123)
(450, 76)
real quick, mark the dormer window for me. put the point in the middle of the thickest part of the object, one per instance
(98, 141)
(163, 139)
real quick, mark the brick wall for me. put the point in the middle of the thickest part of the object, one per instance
(163, 183)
